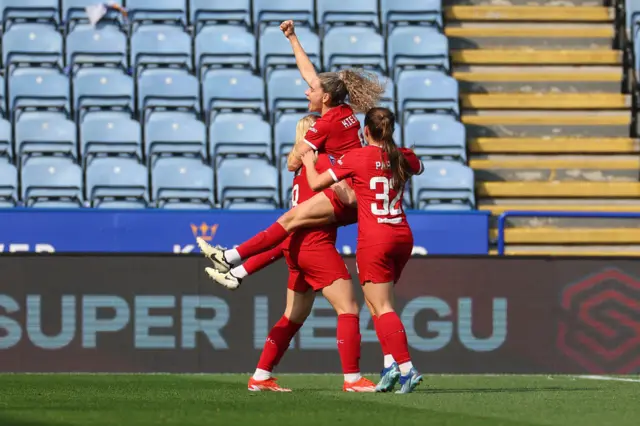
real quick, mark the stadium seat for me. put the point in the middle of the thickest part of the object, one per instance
(347, 47)
(417, 47)
(436, 136)
(8, 185)
(6, 141)
(27, 44)
(38, 88)
(91, 46)
(632, 14)
(427, 91)
(273, 12)
(275, 49)
(102, 89)
(230, 90)
(51, 182)
(285, 136)
(167, 89)
(179, 182)
(74, 13)
(29, 10)
(117, 183)
(155, 46)
(157, 11)
(410, 12)
(444, 185)
(3, 99)
(336, 12)
(45, 134)
(224, 46)
(285, 93)
(204, 12)
(239, 135)
(174, 135)
(245, 180)
(286, 185)
(101, 136)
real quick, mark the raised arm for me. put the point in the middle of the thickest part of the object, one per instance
(316, 180)
(307, 70)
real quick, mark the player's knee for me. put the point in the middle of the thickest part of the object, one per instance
(287, 220)
(347, 307)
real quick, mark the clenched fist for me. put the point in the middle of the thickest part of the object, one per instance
(287, 28)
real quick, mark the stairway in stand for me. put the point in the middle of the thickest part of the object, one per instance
(548, 124)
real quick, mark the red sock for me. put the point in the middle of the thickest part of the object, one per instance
(262, 260)
(395, 338)
(265, 240)
(385, 349)
(277, 343)
(349, 339)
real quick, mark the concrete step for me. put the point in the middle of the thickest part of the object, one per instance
(546, 123)
(558, 190)
(499, 206)
(516, 13)
(544, 79)
(545, 101)
(554, 146)
(555, 36)
(537, 57)
(545, 3)
(576, 235)
(581, 251)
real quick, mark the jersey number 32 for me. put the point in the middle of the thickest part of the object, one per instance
(381, 186)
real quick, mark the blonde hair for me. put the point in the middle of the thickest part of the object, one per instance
(303, 126)
(363, 88)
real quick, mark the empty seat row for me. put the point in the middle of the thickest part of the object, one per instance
(260, 13)
(188, 183)
(222, 46)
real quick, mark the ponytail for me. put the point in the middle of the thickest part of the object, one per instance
(362, 89)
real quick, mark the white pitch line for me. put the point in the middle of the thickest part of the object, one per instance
(609, 378)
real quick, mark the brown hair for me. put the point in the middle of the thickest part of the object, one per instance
(381, 123)
(363, 88)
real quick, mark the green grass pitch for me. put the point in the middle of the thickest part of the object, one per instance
(189, 400)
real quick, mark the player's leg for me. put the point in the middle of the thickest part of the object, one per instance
(390, 372)
(234, 277)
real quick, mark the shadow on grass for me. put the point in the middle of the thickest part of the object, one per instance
(10, 421)
(507, 390)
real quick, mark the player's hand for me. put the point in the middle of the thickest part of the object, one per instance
(287, 28)
(309, 158)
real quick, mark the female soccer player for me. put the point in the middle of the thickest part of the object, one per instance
(307, 275)
(379, 172)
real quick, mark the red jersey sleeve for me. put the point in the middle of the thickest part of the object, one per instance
(318, 134)
(345, 166)
(414, 162)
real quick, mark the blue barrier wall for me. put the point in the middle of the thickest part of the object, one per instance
(167, 231)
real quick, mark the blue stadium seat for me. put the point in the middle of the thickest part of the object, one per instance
(38, 88)
(167, 89)
(285, 89)
(275, 49)
(3, 98)
(46, 134)
(91, 46)
(286, 185)
(273, 12)
(117, 183)
(30, 11)
(427, 91)
(30, 44)
(285, 135)
(52, 182)
(444, 185)
(239, 135)
(110, 135)
(8, 185)
(347, 47)
(160, 46)
(410, 12)
(224, 46)
(157, 11)
(417, 47)
(73, 13)
(361, 12)
(175, 135)
(436, 136)
(179, 182)
(203, 12)
(102, 89)
(6, 141)
(246, 180)
(632, 9)
(227, 90)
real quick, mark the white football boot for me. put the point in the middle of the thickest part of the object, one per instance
(215, 254)
(224, 279)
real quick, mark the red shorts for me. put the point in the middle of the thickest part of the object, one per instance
(345, 215)
(315, 269)
(382, 263)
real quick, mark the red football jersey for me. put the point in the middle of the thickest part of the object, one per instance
(308, 239)
(380, 213)
(335, 133)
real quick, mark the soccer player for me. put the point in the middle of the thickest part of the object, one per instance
(307, 275)
(379, 172)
